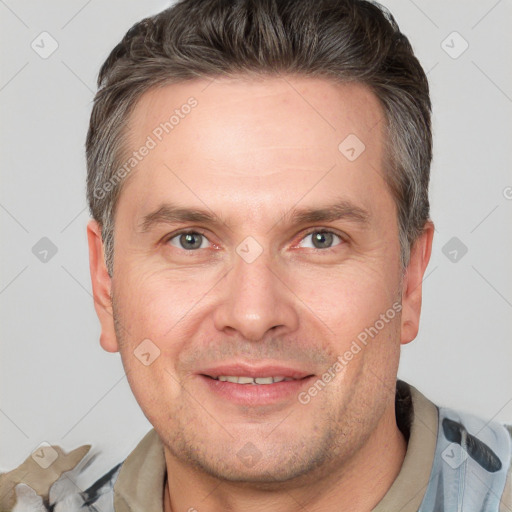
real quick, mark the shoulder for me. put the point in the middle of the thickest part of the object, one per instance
(470, 458)
(472, 463)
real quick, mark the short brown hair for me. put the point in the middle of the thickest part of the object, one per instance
(340, 40)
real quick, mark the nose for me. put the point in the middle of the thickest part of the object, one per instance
(255, 299)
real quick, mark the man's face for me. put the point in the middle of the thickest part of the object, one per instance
(258, 291)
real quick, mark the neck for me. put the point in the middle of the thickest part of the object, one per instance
(356, 485)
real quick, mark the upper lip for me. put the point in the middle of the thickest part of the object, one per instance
(246, 370)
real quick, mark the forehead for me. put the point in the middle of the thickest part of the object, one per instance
(231, 139)
(312, 107)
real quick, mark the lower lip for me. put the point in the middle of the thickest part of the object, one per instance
(256, 394)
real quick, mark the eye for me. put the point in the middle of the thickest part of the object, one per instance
(322, 239)
(189, 240)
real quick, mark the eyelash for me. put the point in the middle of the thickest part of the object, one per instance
(168, 238)
(343, 238)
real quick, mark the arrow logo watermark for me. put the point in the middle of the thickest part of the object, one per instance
(454, 249)
(249, 249)
(454, 45)
(45, 455)
(44, 45)
(44, 250)
(146, 352)
(249, 455)
(351, 147)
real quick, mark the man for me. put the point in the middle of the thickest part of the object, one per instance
(258, 179)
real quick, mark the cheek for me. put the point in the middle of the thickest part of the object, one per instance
(154, 304)
(347, 298)
(151, 386)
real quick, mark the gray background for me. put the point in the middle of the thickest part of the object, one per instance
(59, 386)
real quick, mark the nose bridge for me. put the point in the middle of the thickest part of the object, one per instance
(254, 279)
(255, 299)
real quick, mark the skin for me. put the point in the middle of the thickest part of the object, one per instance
(251, 151)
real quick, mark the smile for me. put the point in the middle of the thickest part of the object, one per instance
(251, 380)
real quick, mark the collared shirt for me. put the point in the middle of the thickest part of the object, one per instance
(141, 481)
(137, 484)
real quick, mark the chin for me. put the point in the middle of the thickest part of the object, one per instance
(250, 467)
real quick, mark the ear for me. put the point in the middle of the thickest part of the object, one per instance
(412, 284)
(101, 287)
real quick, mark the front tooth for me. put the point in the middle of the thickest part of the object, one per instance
(246, 380)
(264, 380)
(251, 380)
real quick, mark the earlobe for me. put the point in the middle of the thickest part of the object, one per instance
(412, 284)
(101, 287)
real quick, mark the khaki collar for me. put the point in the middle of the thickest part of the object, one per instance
(140, 484)
(410, 485)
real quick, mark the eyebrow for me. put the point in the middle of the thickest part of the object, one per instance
(172, 214)
(340, 210)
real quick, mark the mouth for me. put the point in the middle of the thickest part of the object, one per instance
(246, 385)
(242, 379)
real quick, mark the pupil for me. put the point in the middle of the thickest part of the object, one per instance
(322, 237)
(187, 240)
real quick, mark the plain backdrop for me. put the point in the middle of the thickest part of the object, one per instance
(59, 386)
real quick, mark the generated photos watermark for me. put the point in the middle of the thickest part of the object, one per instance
(152, 140)
(356, 346)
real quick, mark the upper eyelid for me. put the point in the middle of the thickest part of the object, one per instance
(324, 230)
(167, 238)
(344, 238)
